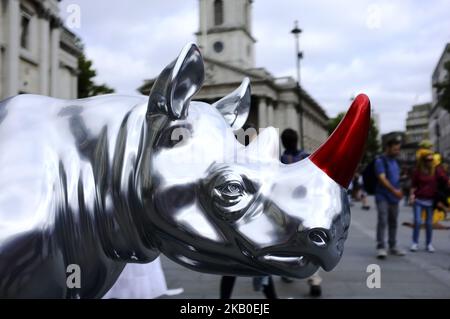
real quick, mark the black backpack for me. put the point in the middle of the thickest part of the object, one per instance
(370, 179)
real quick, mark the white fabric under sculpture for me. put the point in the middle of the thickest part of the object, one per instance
(141, 281)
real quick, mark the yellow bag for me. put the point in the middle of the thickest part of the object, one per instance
(438, 216)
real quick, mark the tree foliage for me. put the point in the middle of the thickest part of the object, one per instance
(86, 84)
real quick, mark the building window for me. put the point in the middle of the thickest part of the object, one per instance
(218, 46)
(25, 30)
(218, 12)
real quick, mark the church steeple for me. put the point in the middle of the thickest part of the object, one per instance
(225, 31)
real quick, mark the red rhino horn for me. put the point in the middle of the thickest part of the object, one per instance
(339, 156)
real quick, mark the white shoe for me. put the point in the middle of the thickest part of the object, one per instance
(397, 252)
(413, 247)
(430, 248)
(381, 253)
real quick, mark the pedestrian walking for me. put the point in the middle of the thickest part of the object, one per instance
(423, 193)
(387, 197)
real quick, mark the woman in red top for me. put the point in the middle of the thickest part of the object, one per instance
(423, 191)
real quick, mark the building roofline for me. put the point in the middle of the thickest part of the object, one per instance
(270, 81)
(222, 29)
(444, 52)
(422, 104)
(257, 78)
(247, 72)
(70, 42)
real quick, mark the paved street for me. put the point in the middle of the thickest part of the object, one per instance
(417, 275)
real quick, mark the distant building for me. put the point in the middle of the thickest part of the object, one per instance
(37, 54)
(417, 123)
(439, 123)
(227, 44)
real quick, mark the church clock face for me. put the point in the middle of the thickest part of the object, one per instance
(218, 46)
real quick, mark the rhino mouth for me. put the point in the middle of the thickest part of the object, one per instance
(298, 261)
(325, 258)
(296, 266)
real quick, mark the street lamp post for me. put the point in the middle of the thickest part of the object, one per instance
(298, 56)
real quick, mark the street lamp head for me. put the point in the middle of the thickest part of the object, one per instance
(296, 31)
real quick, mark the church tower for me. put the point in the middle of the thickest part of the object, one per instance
(225, 32)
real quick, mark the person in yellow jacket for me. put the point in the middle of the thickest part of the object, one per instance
(441, 204)
(425, 147)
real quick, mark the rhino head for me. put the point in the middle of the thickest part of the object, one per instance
(215, 205)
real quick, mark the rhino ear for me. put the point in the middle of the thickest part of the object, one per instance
(235, 106)
(177, 83)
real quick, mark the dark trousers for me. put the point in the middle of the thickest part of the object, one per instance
(417, 209)
(387, 218)
(227, 284)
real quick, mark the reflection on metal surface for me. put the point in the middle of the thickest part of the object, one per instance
(105, 181)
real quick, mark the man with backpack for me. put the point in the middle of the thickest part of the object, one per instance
(387, 196)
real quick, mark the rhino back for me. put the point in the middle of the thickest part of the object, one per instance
(41, 136)
(50, 152)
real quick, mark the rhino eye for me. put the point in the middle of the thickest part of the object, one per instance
(230, 195)
(230, 189)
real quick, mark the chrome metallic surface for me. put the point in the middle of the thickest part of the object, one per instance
(236, 106)
(110, 180)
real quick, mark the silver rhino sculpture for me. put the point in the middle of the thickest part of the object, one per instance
(110, 180)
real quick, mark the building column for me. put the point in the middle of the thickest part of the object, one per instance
(262, 113)
(292, 118)
(287, 116)
(44, 54)
(74, 85)
(307, 132)
(13, 49)
(301, 123)
(54, 62)
(280, 118)
(296, 120)
(270, 115)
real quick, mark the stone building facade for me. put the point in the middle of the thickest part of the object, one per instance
(439, 123)
(227, 44)
(37, 53)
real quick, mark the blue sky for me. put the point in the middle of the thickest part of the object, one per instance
(386, 49)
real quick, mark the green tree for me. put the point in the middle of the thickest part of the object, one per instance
(372, 144)
(443, 89)
(86, 85)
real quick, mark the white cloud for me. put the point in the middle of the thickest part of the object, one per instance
(384, 48)
(119, 70)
